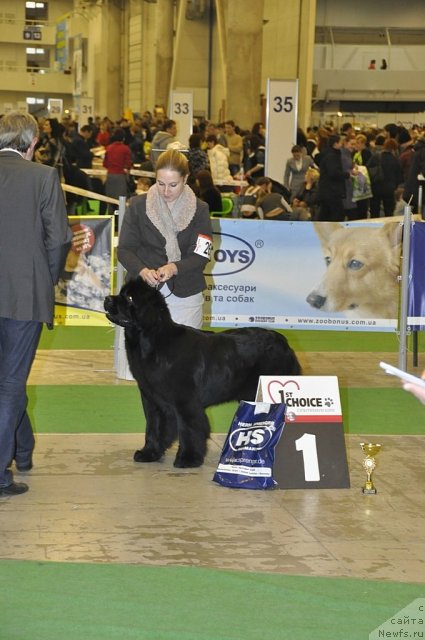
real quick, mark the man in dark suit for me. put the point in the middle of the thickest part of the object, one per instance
(332, 182)
(34, 240)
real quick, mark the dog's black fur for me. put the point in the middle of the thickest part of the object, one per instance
(180, 371)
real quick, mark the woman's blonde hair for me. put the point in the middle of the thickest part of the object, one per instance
(361, 138)
(314, 173)
(174, 161)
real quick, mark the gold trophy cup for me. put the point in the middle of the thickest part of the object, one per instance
(369, 464)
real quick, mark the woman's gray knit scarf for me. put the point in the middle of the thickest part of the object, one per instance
(168, 223)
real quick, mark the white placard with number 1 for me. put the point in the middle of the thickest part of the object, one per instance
(311, 452)
(281, 125)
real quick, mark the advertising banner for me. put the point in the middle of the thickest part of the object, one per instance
(87, 276)
(62, 52)
(303, 275)
(416, 304)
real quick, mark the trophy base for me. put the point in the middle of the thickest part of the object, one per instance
(369, 491)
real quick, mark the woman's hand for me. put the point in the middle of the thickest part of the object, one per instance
(166, 272)
(150, 276)
(417, 391)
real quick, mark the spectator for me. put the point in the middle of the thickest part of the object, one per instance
(362, 153)
(361, 157)
(383, 190)
(117, 161)
(311, 144)
(219, 163)
(50, 149)
(235, 145)
(322, 146)
(406, 152)
(137, 144)
(221, 135)
(391, 130)
(207, 191)
(80, 147)
(126, 125)
(254, 158)
(104, 135)
(301, 140)
(308, 197)
(332, 182)
(295, 170)
(259, 130)
(270, 204)
(163, 138)
(347, 129)
(379, 144)
(33, 246)
(347, 149)
(248, 200)
(417, 168)
(197, 157)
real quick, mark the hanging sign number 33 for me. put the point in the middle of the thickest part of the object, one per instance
(181, 107)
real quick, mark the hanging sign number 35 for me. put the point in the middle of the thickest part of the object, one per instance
(281, 103)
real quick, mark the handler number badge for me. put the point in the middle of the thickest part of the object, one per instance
(203, 246)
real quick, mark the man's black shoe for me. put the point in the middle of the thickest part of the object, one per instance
(14, 489)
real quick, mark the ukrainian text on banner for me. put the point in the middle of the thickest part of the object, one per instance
(87, 276)
(416, 304)
(304, 275)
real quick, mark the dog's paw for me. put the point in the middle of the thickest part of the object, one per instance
(146, 455)
(188, 461)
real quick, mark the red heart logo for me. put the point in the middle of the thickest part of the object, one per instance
(274, 387)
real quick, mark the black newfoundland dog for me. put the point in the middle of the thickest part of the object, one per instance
(180, 371)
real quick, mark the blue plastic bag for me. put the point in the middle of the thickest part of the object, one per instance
(247, 457)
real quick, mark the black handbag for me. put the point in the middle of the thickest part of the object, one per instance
(376, 173)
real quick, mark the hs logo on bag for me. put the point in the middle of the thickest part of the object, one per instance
(252, 439)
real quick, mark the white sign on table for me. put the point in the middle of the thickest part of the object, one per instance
(281, 125)
(311, 451)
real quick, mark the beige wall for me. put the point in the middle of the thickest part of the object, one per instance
(244, 54)
(288, 48)
(106, 55)
(137, 60)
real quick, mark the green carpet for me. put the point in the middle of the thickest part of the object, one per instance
(103, 338)
(51, 601)
(117, 409)
(77, 338)
(72, 601)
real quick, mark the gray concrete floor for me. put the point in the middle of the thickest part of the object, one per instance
(89, 502)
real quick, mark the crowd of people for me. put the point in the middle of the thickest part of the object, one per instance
(354, 174)
(331, 174)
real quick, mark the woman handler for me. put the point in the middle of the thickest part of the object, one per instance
(166, 238)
